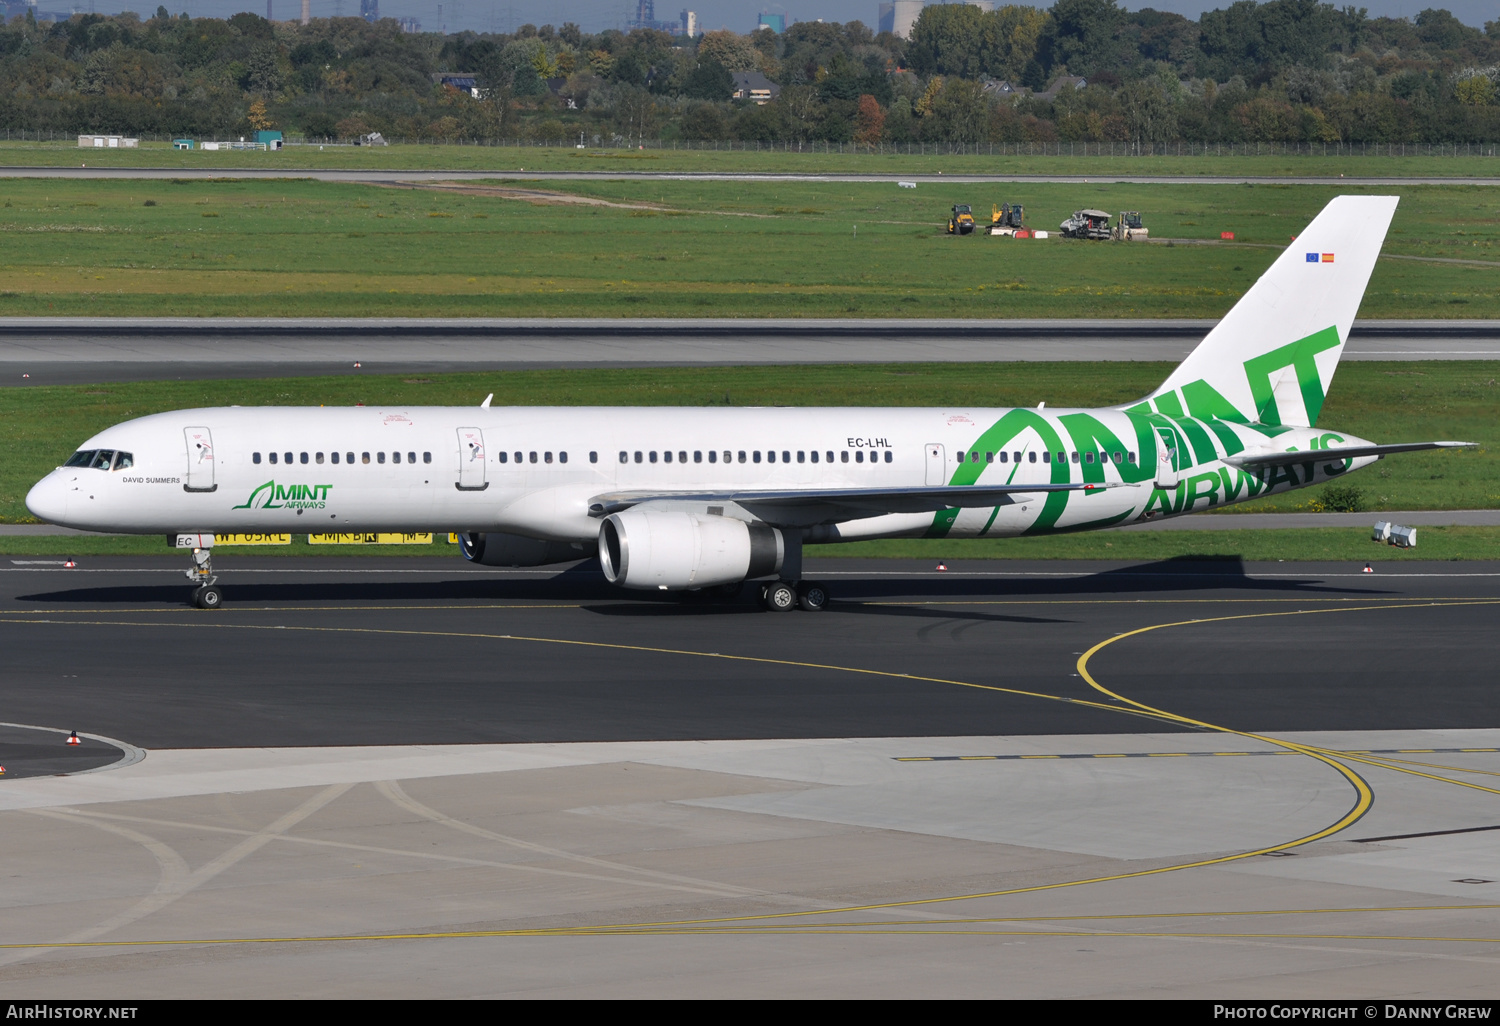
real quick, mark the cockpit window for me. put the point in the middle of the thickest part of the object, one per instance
(102, 459)
(123, 460)
(82, 458)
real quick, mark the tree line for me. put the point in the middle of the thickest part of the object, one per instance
(1081, 70)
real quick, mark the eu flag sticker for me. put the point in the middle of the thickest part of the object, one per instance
(1312, 258)
(1327, 258)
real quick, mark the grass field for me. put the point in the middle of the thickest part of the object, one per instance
(1386, 402)
(814, 159)
(297, 247)
(1314, 544)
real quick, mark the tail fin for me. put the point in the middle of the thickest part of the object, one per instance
(1271, 359)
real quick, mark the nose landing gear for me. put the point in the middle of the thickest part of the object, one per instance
(207, 594)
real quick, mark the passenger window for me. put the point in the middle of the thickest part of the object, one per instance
(255, 457)
(1062, 457)
(756, 455)
(844, 456)
(667, 456)
(1117, 458)
(274, 458)
(624, 458)
(289, 458)
(697, 455)
(859, 455)
(317, 457)
(1130, 457)
(364, 457)
(546, 457)
(395, 457)
(562, 457)
(1018, 457)
(890, 457)
(786, 457)
(830, 455)
(771, 456)
(713, 455)
(742, 455)
(989, 457)
(1075, 456)
(653, 455)
(520, 457)
(729, 456)
(380, 457)
(503, 457)
(681, 456)
(332, 456)
(594, 456)
(801, 455)
(638, 456)
(1031, 457)
(815, 455)
(1005, 457)
(411, 457)
(304, 458)
(1088, 457)
(533, 456)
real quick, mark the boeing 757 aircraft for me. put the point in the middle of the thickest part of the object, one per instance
(676, 499)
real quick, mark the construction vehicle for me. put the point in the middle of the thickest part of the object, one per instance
(1129, 227)
(962, 221)
(1086, 224)
(1006, 219)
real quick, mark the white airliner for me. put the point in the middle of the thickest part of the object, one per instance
(709, 498)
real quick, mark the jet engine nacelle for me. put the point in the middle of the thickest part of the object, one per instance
(493, 549)
(658, 549)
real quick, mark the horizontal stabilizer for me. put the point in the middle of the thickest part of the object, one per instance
(804, 506)
(1282, 459)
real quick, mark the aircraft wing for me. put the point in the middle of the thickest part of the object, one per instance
(806, 507)
(1282, 459)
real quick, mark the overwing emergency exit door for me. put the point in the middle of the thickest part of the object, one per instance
(471, 460)
(200, 460)
(937, 464)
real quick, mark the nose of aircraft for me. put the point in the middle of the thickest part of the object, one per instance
(48, 499)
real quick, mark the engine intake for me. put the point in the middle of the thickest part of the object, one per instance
(494, 549)
(657, 549)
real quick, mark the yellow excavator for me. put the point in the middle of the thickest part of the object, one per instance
(962, 221)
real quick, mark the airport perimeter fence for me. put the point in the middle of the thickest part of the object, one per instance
(934, 149)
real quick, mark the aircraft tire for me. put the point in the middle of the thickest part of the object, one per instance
(812, 596)
(779, 597)
(208, 597)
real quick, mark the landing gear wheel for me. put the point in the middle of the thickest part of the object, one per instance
(812, 596)
(208, 597)
(779, 596)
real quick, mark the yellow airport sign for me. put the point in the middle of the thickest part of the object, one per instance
(252, 539)
(370, 539)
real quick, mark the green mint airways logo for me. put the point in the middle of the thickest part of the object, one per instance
(293, 496)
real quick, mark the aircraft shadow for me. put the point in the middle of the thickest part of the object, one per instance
(584, 583)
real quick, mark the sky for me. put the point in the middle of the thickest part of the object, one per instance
(594, 15)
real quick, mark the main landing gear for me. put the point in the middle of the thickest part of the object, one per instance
(207, 594)
(782, 596)
(791, 591)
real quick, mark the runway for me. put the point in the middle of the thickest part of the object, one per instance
(381, 176)
(398, 778)
(87, 350)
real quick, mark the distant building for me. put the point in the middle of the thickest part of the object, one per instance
(463, 81)
(690, 23)
(752, 85)
(410, 26)
(368, 10)
(1065, 82)
(898, 17)
(775, 22)
(107, 142)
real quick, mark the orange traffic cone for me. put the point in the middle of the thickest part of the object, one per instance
(70, 565)
(1369, 569)
(942, 566)
(73, 739)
